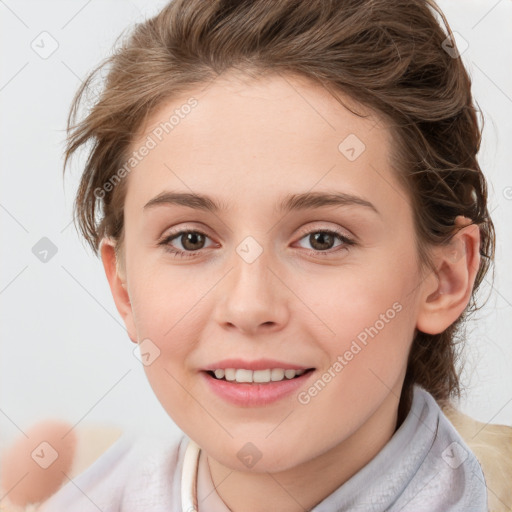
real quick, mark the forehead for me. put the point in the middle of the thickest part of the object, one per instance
(245, 140)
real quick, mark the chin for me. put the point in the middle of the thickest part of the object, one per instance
(257, 457)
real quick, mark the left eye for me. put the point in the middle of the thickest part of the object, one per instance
(193, 241)
(323, 238)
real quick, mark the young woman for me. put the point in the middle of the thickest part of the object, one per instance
(292, 219)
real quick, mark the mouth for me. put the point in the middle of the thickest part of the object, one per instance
(256, 382)
(265, 376)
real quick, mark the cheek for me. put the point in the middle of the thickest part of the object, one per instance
(160, 297)
(166, 311)
(371, 319)
(355, 298)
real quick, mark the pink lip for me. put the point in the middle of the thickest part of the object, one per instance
(246, 394)
(259, 364)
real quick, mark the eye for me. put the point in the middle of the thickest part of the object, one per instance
(323, 239)
(190, 241)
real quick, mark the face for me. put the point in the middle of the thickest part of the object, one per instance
(328, 288)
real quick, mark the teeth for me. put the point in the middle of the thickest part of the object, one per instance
(277, 374)
(219, 374)
(258, 376)
(261, 376)
(229, 373)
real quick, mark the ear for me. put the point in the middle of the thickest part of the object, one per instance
(118, 286)
(447, 291)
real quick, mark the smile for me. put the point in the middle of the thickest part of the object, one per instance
(256, 388)
(257, 376)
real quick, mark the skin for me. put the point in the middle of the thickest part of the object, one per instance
(248, 143)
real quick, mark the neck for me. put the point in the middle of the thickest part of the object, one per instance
(300, 488)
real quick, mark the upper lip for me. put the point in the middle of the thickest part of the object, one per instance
(259, 364)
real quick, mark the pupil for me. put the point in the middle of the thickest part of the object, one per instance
(190, 237)
(316, 237)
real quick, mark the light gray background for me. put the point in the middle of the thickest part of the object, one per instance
(64, 352)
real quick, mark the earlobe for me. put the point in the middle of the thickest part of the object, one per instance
(118, 286)
(447, 292)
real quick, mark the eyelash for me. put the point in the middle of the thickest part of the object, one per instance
(177, 253)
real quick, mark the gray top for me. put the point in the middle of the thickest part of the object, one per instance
(425, 467)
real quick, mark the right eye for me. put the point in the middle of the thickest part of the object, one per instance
(188, 239)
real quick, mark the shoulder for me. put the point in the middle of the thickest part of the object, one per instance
(135, 473)
(492, 445)
(458, 475)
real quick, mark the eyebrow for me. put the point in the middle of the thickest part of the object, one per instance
(291, 202)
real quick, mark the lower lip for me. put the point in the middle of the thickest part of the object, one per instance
(247, 394)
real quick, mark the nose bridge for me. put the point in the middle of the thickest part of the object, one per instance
(251, 277)
(251, 270)
(251, 295)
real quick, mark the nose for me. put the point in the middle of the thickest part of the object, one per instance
(252, 297)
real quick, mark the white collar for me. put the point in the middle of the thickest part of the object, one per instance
(189, 477)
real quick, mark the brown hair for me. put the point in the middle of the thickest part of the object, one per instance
(386, 54)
